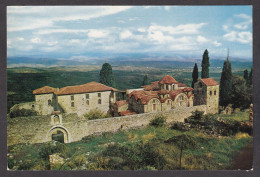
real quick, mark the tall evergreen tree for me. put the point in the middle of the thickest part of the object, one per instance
(145, 81)
(225, 97)
(250, 77)
(246, 76)
(107, 76)
(195, 75)
(205, 65)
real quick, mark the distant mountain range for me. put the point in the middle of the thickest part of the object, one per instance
(144, 61)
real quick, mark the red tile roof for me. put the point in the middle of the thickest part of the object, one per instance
(209, 81)
(121, 103)
(168, 80)
(163, 92)
(182, 85)
(44, 90)
(127, 112)
(152, 86)
(85, 88)
(187, 89)
(174, 93)
(144, 96)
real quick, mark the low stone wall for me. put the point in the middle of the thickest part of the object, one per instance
(38, 129)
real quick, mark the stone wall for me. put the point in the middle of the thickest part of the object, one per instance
(213, 99)
(39, 129)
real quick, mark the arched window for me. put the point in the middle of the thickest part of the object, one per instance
(99, 101)
(49, 102)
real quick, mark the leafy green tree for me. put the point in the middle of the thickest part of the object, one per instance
(226, 84)
(246, 76)
(183, 141)
(145, 81)
(205, 65)
(107, 76)
(195, 75)
(241, 93)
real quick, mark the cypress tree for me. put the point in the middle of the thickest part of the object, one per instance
(107, 76)
(195, 75)
(250, 77)
(205, 65)
(246, 76)
(145, 81)
(225, 97)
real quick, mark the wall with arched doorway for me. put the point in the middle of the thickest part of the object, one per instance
(55, 129)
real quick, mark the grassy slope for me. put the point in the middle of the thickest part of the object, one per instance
(211, 152)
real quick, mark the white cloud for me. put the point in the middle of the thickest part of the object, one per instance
(216, 43)
(97, 33)
(34, 17)
(142, 30)
(125, 34)
(201, 39)
(243, 16)
(20, 38)
(52, 43)
(35, 40)
(241, 37)
(180, 29)
(167, 8)
(49, 31)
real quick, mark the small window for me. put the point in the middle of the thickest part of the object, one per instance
(99, 94)
(215, 92)
(49, 102)
(181, 98)
(99, 101)
(72, 104)
(167, 87)
(210, 93)
(87, 102)
(153, 101)
(72, 97)
(168, 102)
(33, 106)
(87, 96)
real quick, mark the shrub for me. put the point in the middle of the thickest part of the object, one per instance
(51, 148)
(180, 126)
(96, 114)
(16, 112)
(158, 121)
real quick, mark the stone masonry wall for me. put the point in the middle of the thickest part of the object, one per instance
(38, 129)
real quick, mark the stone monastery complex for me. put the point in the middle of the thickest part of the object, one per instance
(162, 95)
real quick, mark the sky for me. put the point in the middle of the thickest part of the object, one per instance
(97, 31)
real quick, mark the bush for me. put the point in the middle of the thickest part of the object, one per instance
(51, 148)
(137, 155)
(180, 126)
(16, 112)
(158, 121)
(96, 114)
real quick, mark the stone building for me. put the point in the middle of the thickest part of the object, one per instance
(169, 94)
(161, 95)
(78, 99)
(206, 92)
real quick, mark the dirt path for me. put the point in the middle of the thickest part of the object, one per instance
(244, 159)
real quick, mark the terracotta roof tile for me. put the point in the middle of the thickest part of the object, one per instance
(187, 89)
(127, 112)
(144, 96)
(152, 86)
(121, 103)
(209, 81)
(182, 85)
(85, 88)
(163, 92)
(44, 90)
(168, 80)
(174, 93)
